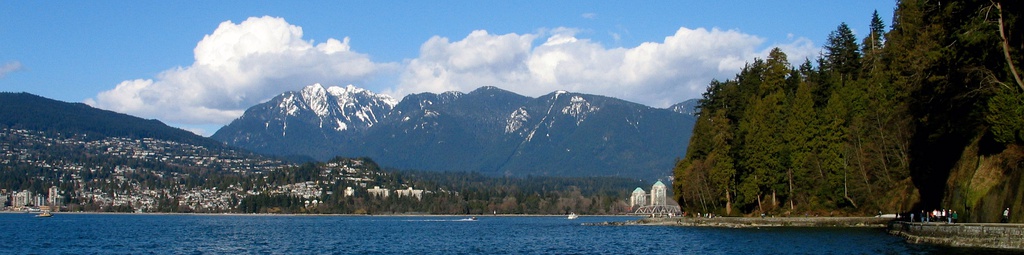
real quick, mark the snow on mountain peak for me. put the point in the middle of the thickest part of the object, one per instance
(579, 107)
(347, 95)
(516, 120)
(316, 98)
(335, 108)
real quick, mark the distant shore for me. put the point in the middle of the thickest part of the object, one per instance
(757, 222)
(311, 214)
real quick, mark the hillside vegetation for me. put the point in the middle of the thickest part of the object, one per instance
(928, 114)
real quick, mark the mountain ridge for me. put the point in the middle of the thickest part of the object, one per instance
(29, 111)
(487, 130)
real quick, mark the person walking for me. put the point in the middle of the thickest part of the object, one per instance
(1006, 215)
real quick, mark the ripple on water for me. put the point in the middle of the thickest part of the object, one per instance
(242, 234)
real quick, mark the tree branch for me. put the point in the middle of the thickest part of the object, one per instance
(1006, 47)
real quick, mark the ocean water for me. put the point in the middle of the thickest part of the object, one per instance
(244, 234)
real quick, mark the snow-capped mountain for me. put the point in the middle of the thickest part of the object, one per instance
(487, 130)
(314, 116)
(688, 107)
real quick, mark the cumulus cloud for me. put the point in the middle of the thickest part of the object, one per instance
(236, 67)
(240, 65)
(652, 73)
(10, 67)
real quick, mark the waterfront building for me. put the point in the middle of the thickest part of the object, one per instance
(378, 192)
(54, 199)
(658, 193)
(39, 200)
(658, 206)
(21, 199)
(418, 193)
(639, 198)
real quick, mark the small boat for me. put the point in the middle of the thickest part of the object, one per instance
(573, 216)
(45, 214)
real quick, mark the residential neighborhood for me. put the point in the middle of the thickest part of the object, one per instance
(151, 175)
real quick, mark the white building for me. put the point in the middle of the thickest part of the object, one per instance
(55, 198)
(21, 199)
(378, 192)
(658, 205)
(658, 194)
(39, 200)
(639, 198)
(350, 192)
(418, 193)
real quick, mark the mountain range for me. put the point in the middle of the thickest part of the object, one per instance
(488, 130)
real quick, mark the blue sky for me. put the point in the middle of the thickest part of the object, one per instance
(144, 57)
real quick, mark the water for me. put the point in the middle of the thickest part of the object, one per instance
(234, 234)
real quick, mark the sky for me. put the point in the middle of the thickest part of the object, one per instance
(198, 65)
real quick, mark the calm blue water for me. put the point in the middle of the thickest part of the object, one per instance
(222, 234)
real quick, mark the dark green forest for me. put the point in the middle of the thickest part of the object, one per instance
(926, 113)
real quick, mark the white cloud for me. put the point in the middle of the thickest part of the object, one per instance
(653, 73)
(589, 15)
(479, 59)
(10, 67)
(240, 65)
(236, 67)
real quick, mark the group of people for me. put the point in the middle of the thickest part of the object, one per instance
(949, 216)
(702, 215)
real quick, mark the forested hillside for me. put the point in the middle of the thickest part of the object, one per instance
(928, 114)
(27, 111)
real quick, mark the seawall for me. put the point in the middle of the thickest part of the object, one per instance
(757, 222)
(978, 235)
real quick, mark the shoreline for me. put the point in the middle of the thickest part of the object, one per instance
(1003, 236)
(999, 236)
(758, 222)
(322, 215)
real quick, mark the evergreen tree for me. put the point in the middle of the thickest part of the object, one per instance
(843, 57)
(800, 131)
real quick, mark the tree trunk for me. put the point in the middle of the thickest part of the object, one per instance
(846, 190)
(792, 207)
(861, 162)
(728, 202)
(775, 201)
(759, 208)
(1006, 48)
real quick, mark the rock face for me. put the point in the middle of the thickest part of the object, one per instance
(487, 130)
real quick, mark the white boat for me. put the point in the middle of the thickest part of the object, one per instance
(573, 216)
